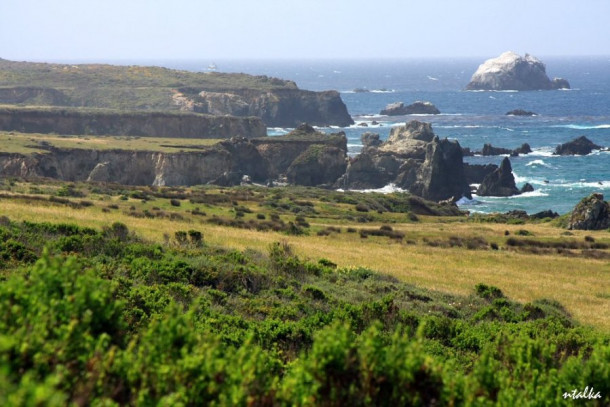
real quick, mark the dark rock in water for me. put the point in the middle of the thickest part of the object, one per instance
(362, 124)
(510, 71)
(524, 149)
(476, 173)
(370, 140)
(488, 149)
(560, 83)
(544, 214)
(591, 213)
(361, 90)
(501, 182)
(527, 188)
(578, 146)
(318, 165)
(521, 112)
(442, 174)
(399, 109)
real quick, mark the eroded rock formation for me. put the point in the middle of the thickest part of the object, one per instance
(500, 182)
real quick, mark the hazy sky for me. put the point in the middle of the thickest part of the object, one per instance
(207, 29)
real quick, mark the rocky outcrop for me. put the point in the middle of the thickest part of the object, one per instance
(578, 146)
(318, 165)
(155, 124)
(413, 158)
(281, 151)
(442, 174)
(399, 109)
(510, 71)
(409, 140)
(501, 182)
(591, 213)
(521, 112)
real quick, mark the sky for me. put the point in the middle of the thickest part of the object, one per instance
(55, 30)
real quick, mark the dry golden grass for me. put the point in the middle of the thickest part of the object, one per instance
(582, 285)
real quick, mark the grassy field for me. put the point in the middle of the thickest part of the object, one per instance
(527, 261)
(29, 143)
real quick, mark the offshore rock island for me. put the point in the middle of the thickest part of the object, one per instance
(511, 71)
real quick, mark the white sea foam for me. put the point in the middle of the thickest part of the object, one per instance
(542, 152)
(539, 163)
(388, 189)
(383, 91)
(432, 78)
(465, 201)
(583, 127)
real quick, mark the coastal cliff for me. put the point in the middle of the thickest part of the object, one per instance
(224, 163)
(279, 103)
(151, 124)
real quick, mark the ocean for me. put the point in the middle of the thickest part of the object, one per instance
(472, 117)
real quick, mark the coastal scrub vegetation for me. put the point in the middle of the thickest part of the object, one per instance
(100, 307)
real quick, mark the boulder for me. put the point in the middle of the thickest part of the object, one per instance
(501, 182)
(527, 188)
(520, 112)
(399, 109)
(578, 146)
(591, 213)
(511, 71)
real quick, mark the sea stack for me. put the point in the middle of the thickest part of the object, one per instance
(511, 71)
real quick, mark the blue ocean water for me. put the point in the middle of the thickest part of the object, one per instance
(473, 118)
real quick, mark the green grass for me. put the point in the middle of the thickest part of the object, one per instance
(29, 143)
(125, 87)
(445, 253)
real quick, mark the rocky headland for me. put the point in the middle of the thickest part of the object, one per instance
(127, 88)
(511, 71)
(413, 158)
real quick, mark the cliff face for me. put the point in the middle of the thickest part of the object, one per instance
(72, 121)
(277, 108)
(224, 163)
